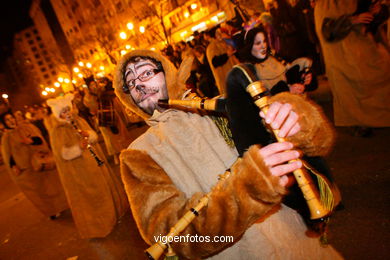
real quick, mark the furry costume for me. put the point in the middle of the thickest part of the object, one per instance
(95, 194)
(178, 159)
(44, 188)
(247, 127)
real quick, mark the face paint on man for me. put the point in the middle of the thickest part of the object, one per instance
(146, 84)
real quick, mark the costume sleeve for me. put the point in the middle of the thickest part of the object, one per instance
(157, 204)
(316, 136)
(336, 29)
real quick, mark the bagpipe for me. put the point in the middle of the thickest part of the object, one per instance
(319, 194)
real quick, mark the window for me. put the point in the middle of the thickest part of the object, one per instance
(39, 38)
(37, 56)
(28, 35)
(46, 76)
(43, 69)
(30, 42)
(53, 73)
(40, 63)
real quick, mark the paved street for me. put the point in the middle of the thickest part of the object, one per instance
(361, 167)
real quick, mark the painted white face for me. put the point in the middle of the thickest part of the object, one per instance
(259, 48)
(66, 114)
(146, 84)
(10, 121)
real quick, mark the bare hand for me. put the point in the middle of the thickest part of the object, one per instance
(276, 157)
(84, 133)
(363, 18)
(84, 144)
(297, 88)
(281, 117)
(307, 77)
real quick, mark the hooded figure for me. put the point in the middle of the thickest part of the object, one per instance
(221, 59)
(19, 144)
(357, 67)
(95, 194)
(171, 166)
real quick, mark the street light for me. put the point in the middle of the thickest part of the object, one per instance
(130, 26)
(80, 75)
(81, 64)
(123, 35)
(142, 29)
(57, 85)
(128, 47)
(60, 79)
(75, 69)
(66, 80)
(44, 93)
(89, 65)
(123, 52)
(101, 68)
(4, 96)
(194, 6)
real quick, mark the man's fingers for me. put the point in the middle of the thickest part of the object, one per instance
(287, 180)
(291, 121)
(280, 158)
(284, 169)
(272, 111)
(275, 148)
(281, 115)
(295, 129)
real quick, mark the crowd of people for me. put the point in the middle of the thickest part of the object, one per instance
(53, 152)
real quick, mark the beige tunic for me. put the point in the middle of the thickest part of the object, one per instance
(95, 194)
(43, 188)
(190, 150)
(358, 70)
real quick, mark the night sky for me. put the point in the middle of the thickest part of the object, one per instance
(14, 17)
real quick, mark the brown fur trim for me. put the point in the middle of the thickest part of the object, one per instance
(316, 137)
(157, 204)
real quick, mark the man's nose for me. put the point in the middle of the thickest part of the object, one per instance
(139, 86)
